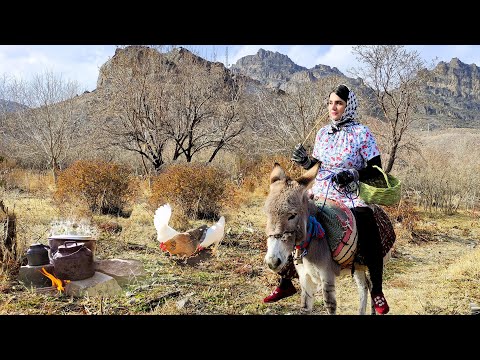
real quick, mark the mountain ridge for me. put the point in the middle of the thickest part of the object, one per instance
(453, 93)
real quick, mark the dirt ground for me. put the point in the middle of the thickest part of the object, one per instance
(434, 270)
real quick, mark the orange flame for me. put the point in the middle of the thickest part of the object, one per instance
(55, 281)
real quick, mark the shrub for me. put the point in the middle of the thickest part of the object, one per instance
(106, 188)
(196, 190)
(256, 172)
(404, 213)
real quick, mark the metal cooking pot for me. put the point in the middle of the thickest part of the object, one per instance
(37, 254)
(73, 261)
(55, 241)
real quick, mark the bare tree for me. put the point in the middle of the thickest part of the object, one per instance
(395, 75)
(285, 119)
(195, 91)
(206, 114)
(48, 128)
(230, 120)
(438, 182)
(169, 103)
(3, 110)
(139, 98)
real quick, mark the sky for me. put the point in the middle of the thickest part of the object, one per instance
(81, 63)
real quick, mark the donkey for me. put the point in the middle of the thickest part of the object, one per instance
(288, 207)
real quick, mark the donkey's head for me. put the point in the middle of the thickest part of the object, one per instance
(286, 208)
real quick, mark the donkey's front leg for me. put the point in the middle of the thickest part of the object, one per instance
(329, 295)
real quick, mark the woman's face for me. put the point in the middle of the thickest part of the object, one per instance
(336, 106)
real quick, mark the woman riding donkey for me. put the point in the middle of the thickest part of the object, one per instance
(348, 150)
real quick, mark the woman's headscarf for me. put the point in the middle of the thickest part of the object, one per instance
(350, 113)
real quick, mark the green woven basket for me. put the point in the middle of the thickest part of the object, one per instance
(381, 192)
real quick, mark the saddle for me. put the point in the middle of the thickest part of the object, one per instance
(340, 228)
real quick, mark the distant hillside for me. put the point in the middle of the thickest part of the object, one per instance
(278, 71)
(275, 70)
(11, 106)
(453, 94)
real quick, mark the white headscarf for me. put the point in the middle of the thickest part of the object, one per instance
(350, 113)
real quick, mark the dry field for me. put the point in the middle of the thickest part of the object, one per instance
(435, 270)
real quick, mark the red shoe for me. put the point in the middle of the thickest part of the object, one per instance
(380, 303)
(278, 294)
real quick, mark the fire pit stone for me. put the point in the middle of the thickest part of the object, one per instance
(98, 285)
(31, 275)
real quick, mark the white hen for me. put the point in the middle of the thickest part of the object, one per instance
(160, 220)
(214, 234)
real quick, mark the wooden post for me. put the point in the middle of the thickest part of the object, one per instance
(8, 234)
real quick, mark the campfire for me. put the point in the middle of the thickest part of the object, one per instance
(56, 282)
(70, 255)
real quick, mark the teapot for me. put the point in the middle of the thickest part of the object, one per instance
(37, 254)
(73, 261)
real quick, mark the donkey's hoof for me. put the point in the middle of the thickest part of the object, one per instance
(305, 311)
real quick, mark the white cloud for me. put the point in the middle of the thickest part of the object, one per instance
(79, 63)
(339, 56)
(306, 55)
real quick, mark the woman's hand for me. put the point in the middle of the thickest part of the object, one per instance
(299, 155)
(345, 177)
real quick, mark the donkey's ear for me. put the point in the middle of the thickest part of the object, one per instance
(277, 173)
(308, 178)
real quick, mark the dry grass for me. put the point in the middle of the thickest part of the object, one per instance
(29, 181)
(434, 272)
(34, 214)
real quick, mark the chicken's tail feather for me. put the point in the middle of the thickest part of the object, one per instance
(162, 216)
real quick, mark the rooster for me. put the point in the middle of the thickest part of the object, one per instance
(186, 243)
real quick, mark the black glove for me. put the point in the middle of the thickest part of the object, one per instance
(345, 177)
(300, 156)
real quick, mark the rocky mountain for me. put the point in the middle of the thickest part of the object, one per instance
(453, 94)
(10, 106)
(276, 70)
(269, 68)
(125, 59)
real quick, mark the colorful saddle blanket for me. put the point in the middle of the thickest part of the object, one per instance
(340, 228)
